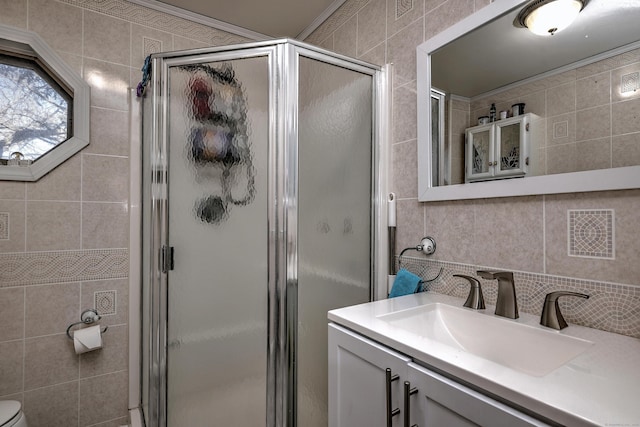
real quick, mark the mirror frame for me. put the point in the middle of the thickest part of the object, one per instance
(14, 40)
(595, 180)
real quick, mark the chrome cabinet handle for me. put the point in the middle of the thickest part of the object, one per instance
(408, 392)
(390, 412)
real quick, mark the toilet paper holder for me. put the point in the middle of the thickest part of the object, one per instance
(87, 317)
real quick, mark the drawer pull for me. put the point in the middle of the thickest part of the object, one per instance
(390, 412)
(408, 392)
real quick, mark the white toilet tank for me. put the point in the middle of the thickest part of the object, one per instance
(11, 414)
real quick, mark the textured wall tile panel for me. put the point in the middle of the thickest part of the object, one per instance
(151, 46)
(105, 302)
(591, 233)
(611, 307)
(159, 20)
(630, 82)
(402, 7)
(33, 268)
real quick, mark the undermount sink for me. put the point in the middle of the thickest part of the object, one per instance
(525, 348)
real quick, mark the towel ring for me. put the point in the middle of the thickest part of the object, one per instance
(422, 282)
(419, 248)
(87, 317)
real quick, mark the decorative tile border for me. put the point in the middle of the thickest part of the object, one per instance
(612, 307)
(591, 233)
(4, 225)
(35, 268)
(161, 21)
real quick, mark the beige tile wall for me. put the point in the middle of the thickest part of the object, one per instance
(69, 232)
(525, 234)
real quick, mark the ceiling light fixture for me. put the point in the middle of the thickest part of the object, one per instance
(547, 17)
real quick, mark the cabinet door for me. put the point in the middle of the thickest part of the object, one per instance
(511, 147)
(358, 381)
(480, 153)
(440, 401)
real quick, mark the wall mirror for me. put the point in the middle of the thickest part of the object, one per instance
(44, 107)
(581, 85)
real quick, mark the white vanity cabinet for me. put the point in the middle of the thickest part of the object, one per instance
(502, 149)
(361, 390)
(358, 391)
(435, 400)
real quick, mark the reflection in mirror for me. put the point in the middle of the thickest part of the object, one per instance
(438, 135)
(580, 87)
(44, 107)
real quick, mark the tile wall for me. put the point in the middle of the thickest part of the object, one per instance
(531, 235)
(64, 239)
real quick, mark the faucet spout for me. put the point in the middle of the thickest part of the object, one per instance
(507, 304)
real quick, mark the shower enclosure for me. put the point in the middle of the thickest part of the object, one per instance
(259, 205)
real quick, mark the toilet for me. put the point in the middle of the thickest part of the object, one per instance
(11, 414)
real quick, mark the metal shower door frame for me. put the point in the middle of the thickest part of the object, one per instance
(282, 210)
(287, 415)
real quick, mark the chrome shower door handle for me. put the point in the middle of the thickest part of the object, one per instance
(390, 412)
(408, 392)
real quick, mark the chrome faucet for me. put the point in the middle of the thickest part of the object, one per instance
(475, 299)
(507, 305)
(551, 315)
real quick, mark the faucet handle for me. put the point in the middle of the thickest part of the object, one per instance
(475, 299)
(551, 315)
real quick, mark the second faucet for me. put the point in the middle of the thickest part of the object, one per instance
(506, 305)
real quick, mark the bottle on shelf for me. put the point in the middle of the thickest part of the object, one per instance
(492, 113)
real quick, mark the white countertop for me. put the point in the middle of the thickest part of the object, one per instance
(599, 387)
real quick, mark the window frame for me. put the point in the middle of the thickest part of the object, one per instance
(29, 45)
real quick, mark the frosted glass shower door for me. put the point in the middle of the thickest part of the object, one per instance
(335, 151)
(217, 293)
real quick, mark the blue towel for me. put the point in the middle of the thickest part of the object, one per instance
(406, 283)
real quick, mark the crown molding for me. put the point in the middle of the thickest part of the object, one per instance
(201, 19)
(320, 19)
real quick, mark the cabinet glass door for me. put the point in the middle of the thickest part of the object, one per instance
(510, 149)
(479, 153)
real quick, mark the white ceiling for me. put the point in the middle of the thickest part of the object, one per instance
(274, 18)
